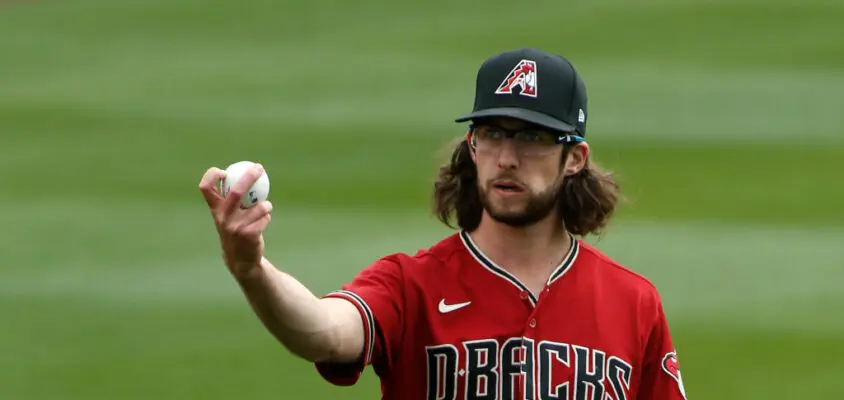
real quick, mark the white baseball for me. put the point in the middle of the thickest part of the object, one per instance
(258, 192)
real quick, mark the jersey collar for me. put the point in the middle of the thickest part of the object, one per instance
(496, 269)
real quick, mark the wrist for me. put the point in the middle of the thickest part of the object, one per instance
(246, 273)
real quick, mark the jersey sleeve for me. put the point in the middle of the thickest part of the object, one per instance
(377, 293)
(661, 379)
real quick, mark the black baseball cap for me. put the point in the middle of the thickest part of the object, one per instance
(534, 86)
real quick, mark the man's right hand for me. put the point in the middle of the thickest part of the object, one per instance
(240, 230)
(326, 330)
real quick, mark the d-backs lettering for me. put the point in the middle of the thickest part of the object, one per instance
(520, 368)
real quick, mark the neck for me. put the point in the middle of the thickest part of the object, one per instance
(535, 249)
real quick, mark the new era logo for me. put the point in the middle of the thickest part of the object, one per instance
(523, 77)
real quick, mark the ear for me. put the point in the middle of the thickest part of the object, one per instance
(576, 159)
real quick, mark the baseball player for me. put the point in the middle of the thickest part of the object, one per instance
(512, 305)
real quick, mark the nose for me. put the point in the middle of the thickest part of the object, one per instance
(507, 155)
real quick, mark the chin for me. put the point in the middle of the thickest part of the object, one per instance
(505, 211)
(517, 211)
(516, 220)
(513, 216)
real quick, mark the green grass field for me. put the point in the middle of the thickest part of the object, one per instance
(721, 119)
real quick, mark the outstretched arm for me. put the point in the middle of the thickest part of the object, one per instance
(319, 330)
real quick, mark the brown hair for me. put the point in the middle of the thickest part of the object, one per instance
(587, 199)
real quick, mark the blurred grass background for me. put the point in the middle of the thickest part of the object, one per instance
(722, 120)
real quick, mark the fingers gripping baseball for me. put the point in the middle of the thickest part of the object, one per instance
(257, 227)
(240, 229)
(208, 186)
(249, 224)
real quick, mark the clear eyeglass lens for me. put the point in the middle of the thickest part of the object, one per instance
(527, 142)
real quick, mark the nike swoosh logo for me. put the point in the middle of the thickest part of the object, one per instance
(447, 308)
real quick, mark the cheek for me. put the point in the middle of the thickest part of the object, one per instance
(545, 177)
(539, 184)
(484, 169)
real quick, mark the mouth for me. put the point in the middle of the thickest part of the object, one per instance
(507, 186)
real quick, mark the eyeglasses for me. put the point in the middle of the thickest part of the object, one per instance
(530, 142)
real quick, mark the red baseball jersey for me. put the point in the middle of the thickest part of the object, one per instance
(448, 323)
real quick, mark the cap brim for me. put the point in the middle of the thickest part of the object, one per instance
(522, 114)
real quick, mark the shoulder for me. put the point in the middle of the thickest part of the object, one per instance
(442, 254)
(620, 277)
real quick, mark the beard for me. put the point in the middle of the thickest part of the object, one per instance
(536, 207)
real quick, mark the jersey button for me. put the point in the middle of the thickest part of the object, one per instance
(523, 295)
(533, 322)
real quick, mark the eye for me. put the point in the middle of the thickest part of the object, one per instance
(493, 134)
(534, 136)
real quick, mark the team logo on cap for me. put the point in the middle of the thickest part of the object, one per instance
(523, 76)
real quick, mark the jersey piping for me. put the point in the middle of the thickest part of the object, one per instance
(491, 266)
(366, 314)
